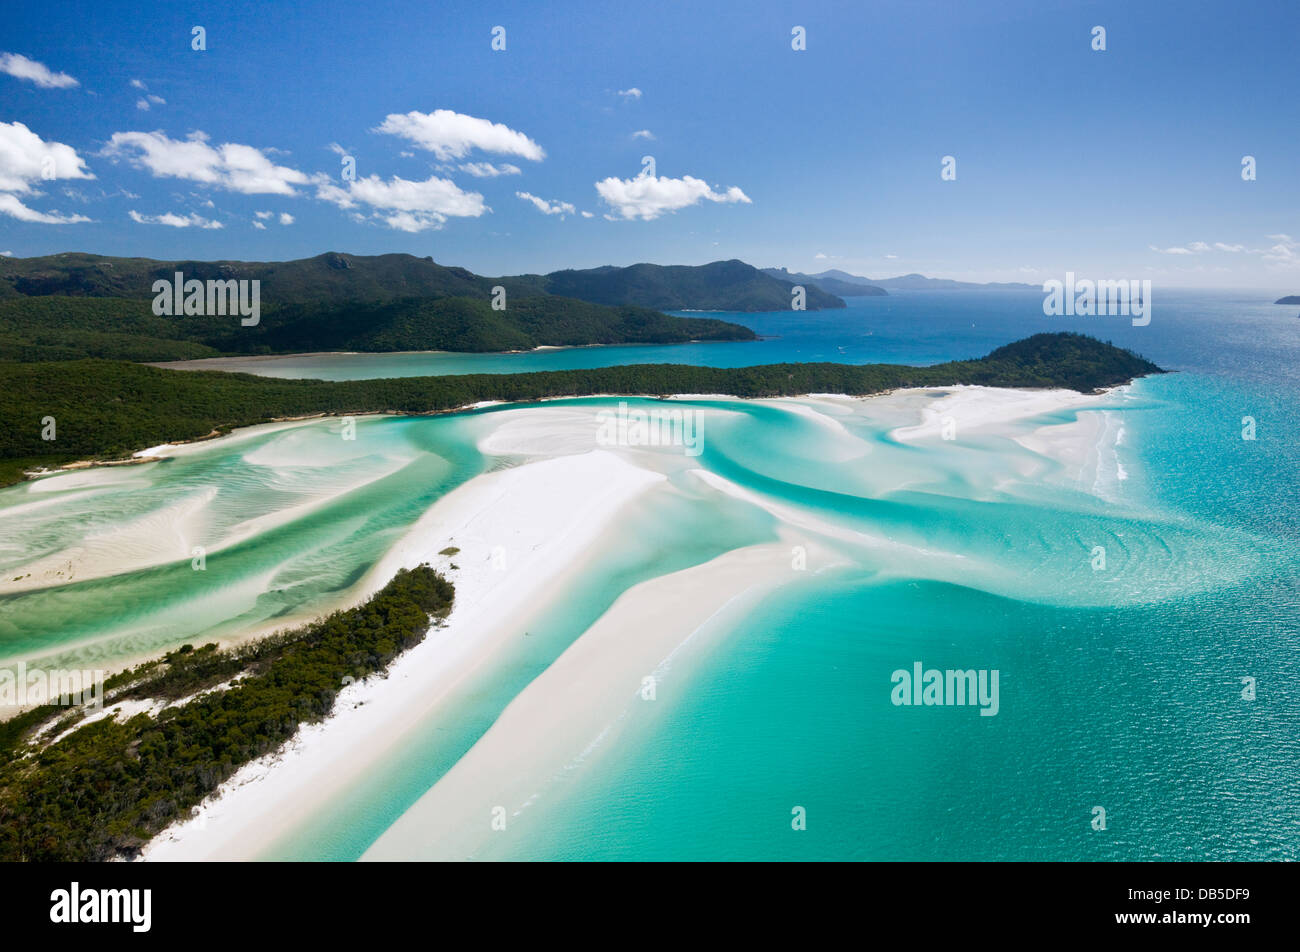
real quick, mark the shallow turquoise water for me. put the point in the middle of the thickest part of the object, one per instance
(1119, 689)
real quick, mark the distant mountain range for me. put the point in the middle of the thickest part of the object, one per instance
(828, 282)
(919, 282)
(719, 286)
(1289, 299)
(844, 284)
(75, 305)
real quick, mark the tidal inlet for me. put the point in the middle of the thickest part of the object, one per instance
(692, 438)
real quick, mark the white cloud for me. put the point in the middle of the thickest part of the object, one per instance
(286, 218)
(547, 208)
(588, 215)
(263, 214)
(20, 67)
(630, 93)
(145, 102)
(175, 221)
(647, 196)
(138, 84)
(239, 168)
(26, 159)
(1284, 254)
(11, 205)
(259, 226)
(453, 135)
(406, 205)
(488, 170)
(6, 254)
(643, 134)
(820, 254)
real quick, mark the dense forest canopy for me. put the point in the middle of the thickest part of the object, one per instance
(104, 409)
(107, 787)
(74, 305)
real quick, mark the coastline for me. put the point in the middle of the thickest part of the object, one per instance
(569, 502)
(219, 363)
(554, 507)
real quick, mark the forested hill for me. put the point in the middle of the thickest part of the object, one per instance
(719, 286)
(326, 277)
(69, 328)
(74, 305)
(107, 409)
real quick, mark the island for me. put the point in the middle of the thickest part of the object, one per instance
(106, 410)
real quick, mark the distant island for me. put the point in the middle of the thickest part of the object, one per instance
(111, 409)
(827, 283)
(719, 286)
(1289, 299)
(919, 282)
(850, 285)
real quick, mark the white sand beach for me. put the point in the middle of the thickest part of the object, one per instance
(518, 534)
(580, 703)
(517, 531)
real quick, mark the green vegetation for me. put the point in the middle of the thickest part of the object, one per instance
(719, 286)
(70, 328)
(74, 305)
(105, 789)
(105, 409)
(465, 324)
(450, 550)
(326, 277)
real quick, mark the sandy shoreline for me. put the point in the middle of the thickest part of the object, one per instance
(581, 702)
(519, 532)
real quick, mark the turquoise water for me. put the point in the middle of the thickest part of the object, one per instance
(335, 507)
(1119, 689)
(1134, 708)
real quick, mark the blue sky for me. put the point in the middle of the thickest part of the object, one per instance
(1122, 163)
